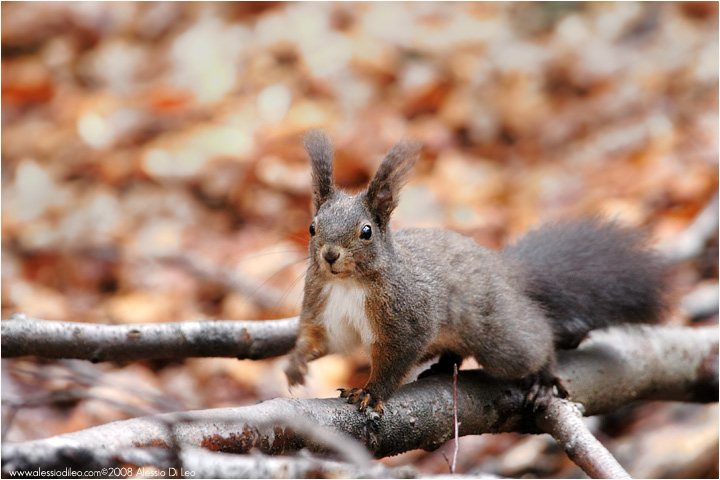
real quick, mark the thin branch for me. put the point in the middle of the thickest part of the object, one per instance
(613, 368)
(455, 419)
(239, 339)
(261, 294)
(22, 335)
(200, 463)
(563, 420)
(690, 242)
(702, 302)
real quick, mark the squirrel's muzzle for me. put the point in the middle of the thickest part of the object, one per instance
(335, 260)
(330, 255)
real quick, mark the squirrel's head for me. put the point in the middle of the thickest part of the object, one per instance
(350, 235)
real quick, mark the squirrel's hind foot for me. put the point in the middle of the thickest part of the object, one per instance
(365, 398)
(543, 387)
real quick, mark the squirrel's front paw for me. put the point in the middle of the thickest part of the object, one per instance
(296, 371)
(366, 399)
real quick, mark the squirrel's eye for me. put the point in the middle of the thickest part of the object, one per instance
(312, 229)
(366, 232)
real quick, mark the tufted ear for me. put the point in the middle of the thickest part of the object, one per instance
(382, 194)
(320, 148)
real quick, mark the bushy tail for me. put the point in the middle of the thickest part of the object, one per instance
(589, 274)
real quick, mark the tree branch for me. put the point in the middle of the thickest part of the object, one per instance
(691, 241)
(261, 294)
(563, 420)
(22, 335)
(616, 365)
(612, 368)
(205, 464)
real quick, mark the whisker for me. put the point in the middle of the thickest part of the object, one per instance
(280, 232)
(292, 286)
(299, 299)
(259, 255)
(279, 271)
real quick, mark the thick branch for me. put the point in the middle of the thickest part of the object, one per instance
(22, 336)
(611, 369)
(616, 365)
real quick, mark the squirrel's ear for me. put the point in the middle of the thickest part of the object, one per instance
(320, 148)
(383, 192)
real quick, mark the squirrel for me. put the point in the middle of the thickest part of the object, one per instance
(410, 295)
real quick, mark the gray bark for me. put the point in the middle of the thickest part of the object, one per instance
(611, 369)
(22, 335)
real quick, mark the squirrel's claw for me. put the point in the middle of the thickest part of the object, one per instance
(366, 399)
(353, 395)
(295, 372)
(543, 389)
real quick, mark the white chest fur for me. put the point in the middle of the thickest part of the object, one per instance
(345, 320)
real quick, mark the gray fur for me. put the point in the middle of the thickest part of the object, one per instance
(320, 149)
(384, 189)
(432, 292)
(589, 274)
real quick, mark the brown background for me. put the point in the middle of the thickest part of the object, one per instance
(151, 155)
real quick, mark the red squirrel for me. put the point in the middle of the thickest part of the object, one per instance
(410, 295)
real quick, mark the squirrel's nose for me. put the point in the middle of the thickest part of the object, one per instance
(331, 255)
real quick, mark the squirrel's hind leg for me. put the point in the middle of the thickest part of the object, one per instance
(445, 365)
